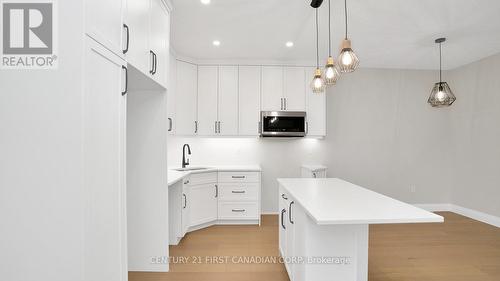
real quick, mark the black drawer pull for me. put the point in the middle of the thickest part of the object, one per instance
(238, 177)
(238, 191)
(238, 210)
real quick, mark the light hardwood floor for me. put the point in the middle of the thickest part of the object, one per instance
(460, 249)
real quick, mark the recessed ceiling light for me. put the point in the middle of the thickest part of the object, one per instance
(289, 44)
(216, 43)
(205, 2)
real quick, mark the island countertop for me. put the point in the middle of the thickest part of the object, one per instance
(335, 201)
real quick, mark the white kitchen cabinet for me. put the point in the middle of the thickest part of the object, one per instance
(186, 206)
(148, 24)
(228, 101)
(295, 89)
(316, 109)
(104, 23)
(272, 88)
(104, 115)
(249, 100)
(283, 203)
(204, 203)
(186, 98)
(137, 20)
(207, 100)
(159, 40)
(171, 88)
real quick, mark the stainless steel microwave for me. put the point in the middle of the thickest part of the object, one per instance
(283, 124)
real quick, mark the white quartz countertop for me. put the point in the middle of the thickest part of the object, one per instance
(335, 201)
(175, 176)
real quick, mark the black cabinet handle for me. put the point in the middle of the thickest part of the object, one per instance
(238, 177)
(238, 210)
(290, 212)
(238, 191)
(169, 124)
(152, 62)
(126, 80)
(216, 191)
(284, 197)
(185, 201)
(128, 38)
(282, 216)
(195, 127)
(155, 63)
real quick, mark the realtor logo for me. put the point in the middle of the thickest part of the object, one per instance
(28, 35)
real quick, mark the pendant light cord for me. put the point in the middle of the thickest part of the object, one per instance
(440, 64)
(329, 30)
(345, 12)
(317, 40)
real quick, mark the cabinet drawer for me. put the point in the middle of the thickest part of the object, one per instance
(239, 176)
(239, 191)
(202, 178)
(238, 210)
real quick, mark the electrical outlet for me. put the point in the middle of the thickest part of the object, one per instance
(413, 188)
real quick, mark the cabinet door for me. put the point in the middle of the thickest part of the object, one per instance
(207, 100)
(295, 89)
(316, 110)
(137, 19)
(104, 23)
(228, 101)
(159, 40)
(185, 98)
(272, 88)
(290, 237)
(203, 207)
(171, 88)
(185, 203)
(249, 100)
(104, 187)
(283, 204)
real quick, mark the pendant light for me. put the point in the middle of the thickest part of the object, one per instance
(317, 84)
(332, 74)
(441, 94)
(348, 61)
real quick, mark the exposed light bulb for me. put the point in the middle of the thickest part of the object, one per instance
(318, 84)
(441, 96)
(348, 61)
(216, 43)
(205, 2)
(289, 44)
(332, 74)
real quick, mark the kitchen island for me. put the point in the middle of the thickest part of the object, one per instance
(324, 225)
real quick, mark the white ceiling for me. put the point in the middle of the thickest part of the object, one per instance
(385, 33)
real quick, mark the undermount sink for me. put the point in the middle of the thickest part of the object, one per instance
(191, 169)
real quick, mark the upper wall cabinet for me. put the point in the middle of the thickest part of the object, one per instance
(272, 88)
(249, 100)
(147, 27)
(316, 108)
(228, 101)
(283, 88)
(217, 100)
(207, 100)
(186, 99)
(295, 89)
(104, 23)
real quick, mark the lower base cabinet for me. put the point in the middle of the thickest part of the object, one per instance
(204, 199)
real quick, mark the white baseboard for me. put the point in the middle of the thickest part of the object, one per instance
(470, 213)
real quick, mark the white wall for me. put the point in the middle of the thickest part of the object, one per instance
(381, 135)
(476, 135)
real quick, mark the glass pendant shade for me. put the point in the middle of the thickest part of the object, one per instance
(441, 95)
(332, 74)
(318, 84)
(348, 61)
